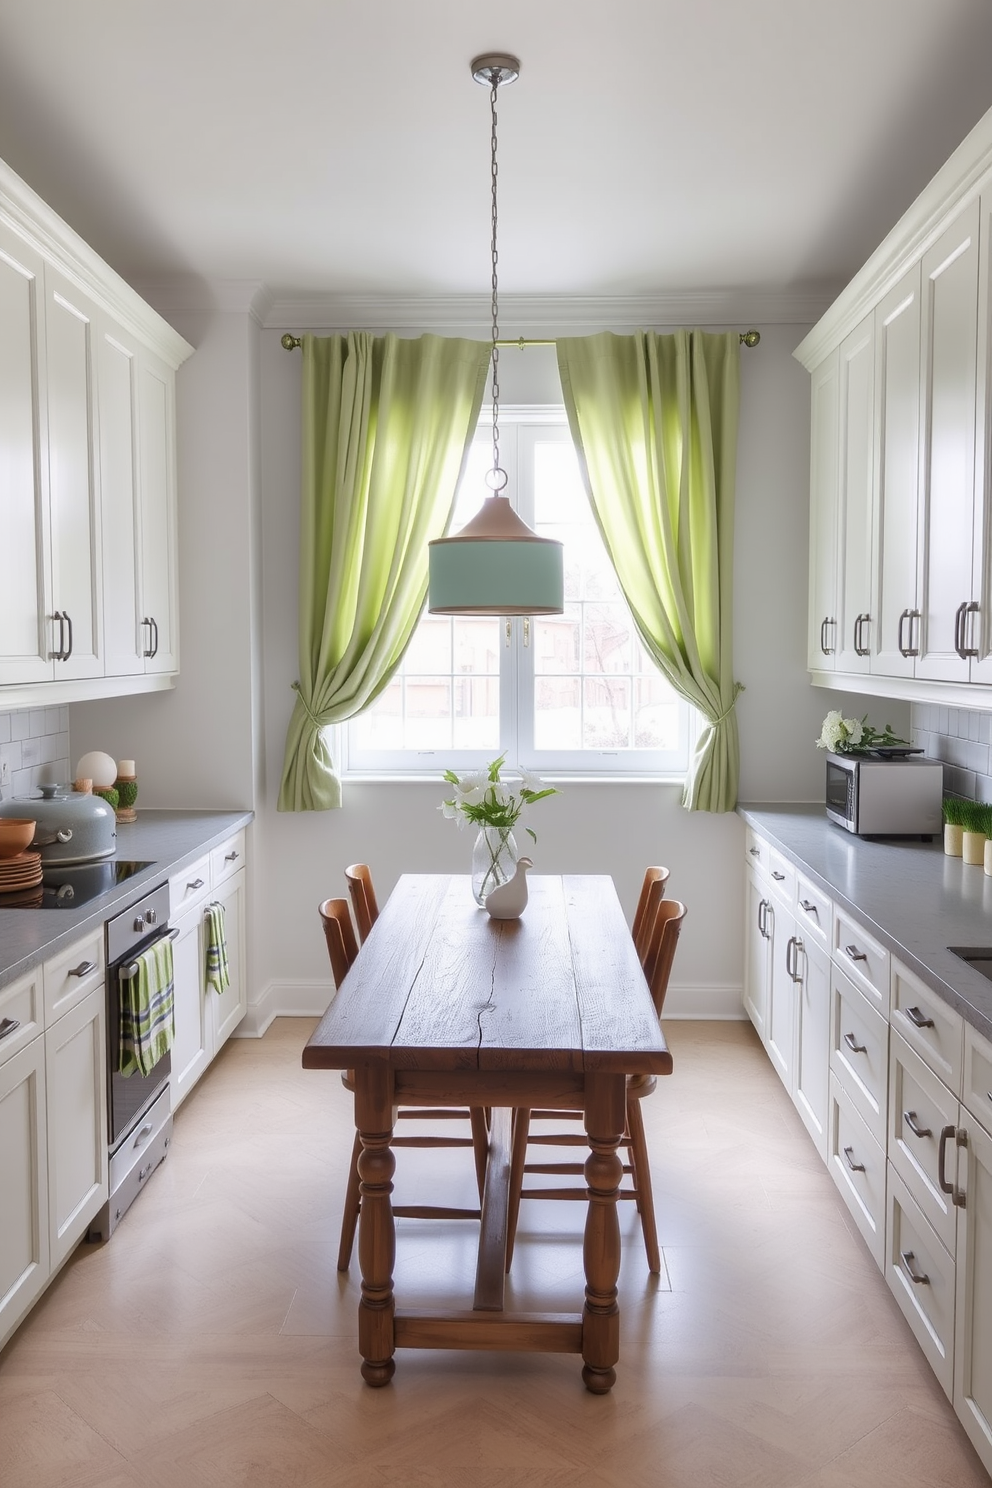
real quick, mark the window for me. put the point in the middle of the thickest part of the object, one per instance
(571, 694)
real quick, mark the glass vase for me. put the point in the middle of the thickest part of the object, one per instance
(494, 861)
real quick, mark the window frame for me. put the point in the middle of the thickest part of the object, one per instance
(521, 428)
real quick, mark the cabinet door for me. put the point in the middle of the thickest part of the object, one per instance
(823, 516)
(981, 582)
(895, 616)
(25, 602)
(973, 1296)
(812, 1068)
(227, 1009)
(76, 1066)
(190, 1055)
(124, 640)
(780, 1013)
(857, 363)
(72, 476)
(756, 946)
(157, 498)
(950, 369)
(24, 1245)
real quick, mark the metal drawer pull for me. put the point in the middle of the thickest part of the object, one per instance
(918, 1131)
(960, 1140)
(231, 857)
(196, 884)
(918, 1278)
(755, 852)
(7, 1026)
(853, 1044)
(83, 969)
(142, 1133)
(855, 1167)
(143, 1172)
(918, 1019)
(809, 908)
(779, 876)
(855, 954)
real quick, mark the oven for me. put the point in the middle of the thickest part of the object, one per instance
(139, 1107)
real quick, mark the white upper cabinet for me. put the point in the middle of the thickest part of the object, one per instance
(88, 607)
(823, 514)
(923, 628)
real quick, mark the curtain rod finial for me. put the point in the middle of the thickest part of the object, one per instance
(750, 338)
(290, 343)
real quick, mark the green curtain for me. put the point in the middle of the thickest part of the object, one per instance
(387, 425)
(654, 420)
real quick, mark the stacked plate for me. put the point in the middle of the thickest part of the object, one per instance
(20, 872)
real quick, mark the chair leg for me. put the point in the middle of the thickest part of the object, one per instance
(352, 1204)
(642, 1182)
(480, 1141)
(521, 1131)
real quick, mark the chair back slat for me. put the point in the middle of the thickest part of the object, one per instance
(652, 893)
(362, 898)
(664, 940)
(342, 947)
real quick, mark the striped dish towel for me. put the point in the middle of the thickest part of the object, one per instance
(147, 1011)
(217, 974)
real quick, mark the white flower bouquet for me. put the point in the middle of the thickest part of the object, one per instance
(855, 735)
(494, 806)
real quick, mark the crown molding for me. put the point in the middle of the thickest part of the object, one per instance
(34, 222)
(545, 315)
(190, 295)
(958, 182)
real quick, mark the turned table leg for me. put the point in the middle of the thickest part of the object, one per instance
(605, 1117)
(376, 1228)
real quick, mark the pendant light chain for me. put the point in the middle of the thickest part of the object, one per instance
(495, 484)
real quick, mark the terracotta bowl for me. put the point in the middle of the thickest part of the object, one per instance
(15, 835)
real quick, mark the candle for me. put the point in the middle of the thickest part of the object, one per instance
(125, 768)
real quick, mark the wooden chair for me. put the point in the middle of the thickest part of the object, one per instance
(342, 948)
(363, 900)
(652, 893)
(659, 954)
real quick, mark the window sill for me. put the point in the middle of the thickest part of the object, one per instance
(358, 777)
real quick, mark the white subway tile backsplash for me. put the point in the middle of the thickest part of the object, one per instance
(974, 727)
(20, 725)
(34, 744)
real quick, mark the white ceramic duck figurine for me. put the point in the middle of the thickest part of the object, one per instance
(509, 901)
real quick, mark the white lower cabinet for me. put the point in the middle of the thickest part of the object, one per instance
(811, 1091)
(856, 1163)
(24, 1241)
(204, 1018)
(76, 1073)
(973, 1296)
(757, 943)
(920, 1273)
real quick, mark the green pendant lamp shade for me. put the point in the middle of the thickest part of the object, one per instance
(496, 566)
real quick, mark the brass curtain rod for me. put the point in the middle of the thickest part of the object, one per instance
(747, 338)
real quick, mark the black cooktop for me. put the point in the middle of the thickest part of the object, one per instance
(68, 888)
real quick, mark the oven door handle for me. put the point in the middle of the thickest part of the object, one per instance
(126, 973)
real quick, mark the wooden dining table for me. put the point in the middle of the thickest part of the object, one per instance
(446, 1007)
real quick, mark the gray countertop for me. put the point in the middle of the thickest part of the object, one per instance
(908, 894)
(168, 839)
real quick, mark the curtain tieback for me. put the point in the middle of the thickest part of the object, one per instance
(738, 689)
(317, 722)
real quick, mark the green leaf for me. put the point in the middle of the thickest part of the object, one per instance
(531, 833)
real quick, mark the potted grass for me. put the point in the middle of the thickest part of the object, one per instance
(973, 838)
(953, 808)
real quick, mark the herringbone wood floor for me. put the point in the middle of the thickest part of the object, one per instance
(211, 1343)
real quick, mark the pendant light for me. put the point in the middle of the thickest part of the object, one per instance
(496, 565)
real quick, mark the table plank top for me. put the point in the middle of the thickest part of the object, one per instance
(439, 985)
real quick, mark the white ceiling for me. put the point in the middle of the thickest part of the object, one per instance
(341, 146)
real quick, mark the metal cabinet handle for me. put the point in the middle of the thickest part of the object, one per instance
(68, 621)
(154, 636)
(778, 876)
(808, 908)
(918, 1018)
(7, 1027)
(196, 884)
(148, 651)
(855, 954)
(860, 647)
(231, 857)
(755, 852)
(918, 1131)
(793, 949)
(83, 969)
(960, 1140)
(853, 1044)
(966, 608)
(827, 650)
(855, 1167)
(142, 1134)
(904, 650)
(57, 653)
(919, 1278)
(763, 909)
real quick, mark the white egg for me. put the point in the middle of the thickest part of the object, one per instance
(99, 767)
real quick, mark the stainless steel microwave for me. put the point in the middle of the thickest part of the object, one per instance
(885, 797)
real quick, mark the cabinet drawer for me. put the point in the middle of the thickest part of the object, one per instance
(920, 1275)
(70, 975)
(977, 1076)
(814, 912)
(782, 877)
(756, 850)
(863, 959)
(227, 859)
(859, 1052)
(928, 1025)
(191, 884)
(857, 1165)
(22, 1004)
(919, 1107)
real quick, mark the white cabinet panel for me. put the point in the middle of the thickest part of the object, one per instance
(812, 1059)
(859, 1052)
(857, 363)
(227, 1009)
(757, 944)
(24, 1243)
(824, 514)
(76, 1066)
(920, 1107)
(856, 1163)
(157, 485)
(973, 1304)
(117, 375)
(920, 1274)
(190, 1055)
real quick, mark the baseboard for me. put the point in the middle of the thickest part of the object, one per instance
(285, 1000)
(701, 1001)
